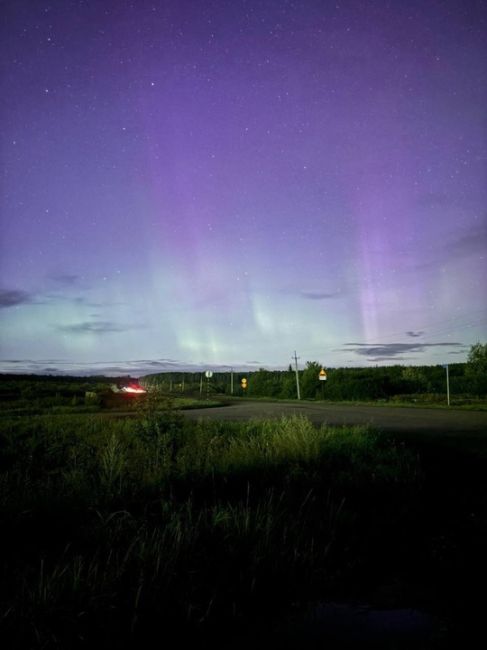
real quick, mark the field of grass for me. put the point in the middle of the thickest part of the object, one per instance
(115, 529)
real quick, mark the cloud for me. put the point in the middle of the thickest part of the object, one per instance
(320, 295)
(81, 301)
(13, 297)
(114, 303)
(374, 359)
(94, 327)
(391, 350)
(163, 363)
(414, 334)
(134, 368)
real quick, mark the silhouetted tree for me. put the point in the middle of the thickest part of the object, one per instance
(476, 369)
(310, 383)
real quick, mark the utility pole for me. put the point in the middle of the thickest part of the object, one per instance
(182, 385)
(447, 385)
(231, 381)
(297, 375)
(201, 384)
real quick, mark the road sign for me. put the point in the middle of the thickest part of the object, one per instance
(322, 376)
(208, 374)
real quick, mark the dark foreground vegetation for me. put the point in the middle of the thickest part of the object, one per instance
(118, 531)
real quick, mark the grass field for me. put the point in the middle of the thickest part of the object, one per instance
(115, 529)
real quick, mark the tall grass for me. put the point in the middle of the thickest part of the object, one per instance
(114, 528)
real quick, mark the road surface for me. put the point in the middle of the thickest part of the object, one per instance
(390, 419)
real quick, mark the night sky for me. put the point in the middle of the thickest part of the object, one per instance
(198, 183)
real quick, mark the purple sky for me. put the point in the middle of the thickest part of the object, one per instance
(191, 183)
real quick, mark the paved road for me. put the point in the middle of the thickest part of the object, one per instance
(395, 419)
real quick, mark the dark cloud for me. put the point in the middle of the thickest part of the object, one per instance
(414, 334)
(94, 327)
(374, 359)
(320, 295)
(13, 297)
(382, 350)
(83, 301)
(117, 303)
(162, 363)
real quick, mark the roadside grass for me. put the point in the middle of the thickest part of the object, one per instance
(26, 408)
(113, 528)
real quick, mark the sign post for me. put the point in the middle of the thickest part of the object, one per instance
(322, 377)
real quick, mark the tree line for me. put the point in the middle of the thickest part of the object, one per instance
(378, 383)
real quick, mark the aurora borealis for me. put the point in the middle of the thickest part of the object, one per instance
(206, 183)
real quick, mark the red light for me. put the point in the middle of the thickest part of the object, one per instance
(133, 389)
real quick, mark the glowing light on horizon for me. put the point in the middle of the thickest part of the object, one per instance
(131, 389)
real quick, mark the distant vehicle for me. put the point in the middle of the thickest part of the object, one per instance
(131, 387)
